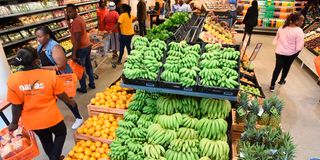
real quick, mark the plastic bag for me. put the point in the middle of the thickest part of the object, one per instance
(76, 68)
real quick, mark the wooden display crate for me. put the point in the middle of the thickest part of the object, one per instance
(92, 110)
(78, 136)
(235, 150)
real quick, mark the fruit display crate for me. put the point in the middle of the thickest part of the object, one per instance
(235, 144)
(93, 110)
(220, 90)
(78, 136)
(140, 82)
(262, 95)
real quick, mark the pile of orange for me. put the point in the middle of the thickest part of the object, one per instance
(101, 126)
(113, 97)
(88, 150)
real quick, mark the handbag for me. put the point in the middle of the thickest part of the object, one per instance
(76, 68)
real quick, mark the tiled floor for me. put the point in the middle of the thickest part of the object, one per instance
(301, 115)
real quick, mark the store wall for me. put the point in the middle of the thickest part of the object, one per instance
(4, 74)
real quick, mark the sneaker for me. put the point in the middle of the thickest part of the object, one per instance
(81, 90)
(282, 82)
(92, 86)
(77, 123)
(271, 88)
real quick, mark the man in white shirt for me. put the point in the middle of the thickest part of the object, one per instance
(181, 7)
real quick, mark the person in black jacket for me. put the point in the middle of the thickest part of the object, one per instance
(142, 16)
(250, 20)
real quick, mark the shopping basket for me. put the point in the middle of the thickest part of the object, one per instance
(30, 152)
(70, 83)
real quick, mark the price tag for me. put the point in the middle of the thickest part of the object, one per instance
(241, 111)
(273, 151)
(241, 155)
(274, 111)
(260, 112)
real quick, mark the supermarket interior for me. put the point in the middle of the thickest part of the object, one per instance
(201, 83)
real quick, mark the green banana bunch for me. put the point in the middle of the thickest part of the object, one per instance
(146, 117)
(176, 46)
(215, 108)
(144, 123)
(228, 82)
(211, 74)
(135, 105)
(189, 106)
(174, 53)
(150, 158)
(170, 76)
(170, 122)
(189, 122)
(187, 133)
(212, 129)
(139, 41)
(126, 124)
(151, 102)
(187, 82)
(174, 155)
(230, 72)
(168, 105)
(196, 48)
(153, 151)
(156, 43)
(131, 117)
(134, 156)
(180, 145)
(139, 132)
(212, 55)
(149, 110)
(141, 95)
(134, 146)
(156, 134)
(186, 72)
(210, 64)
(134, 73)
(230, 53)
(212, 47)
(228, 63)
(122, 132)
(118, 150)
(169, 137)
(214, 149)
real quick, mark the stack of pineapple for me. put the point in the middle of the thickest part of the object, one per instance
(248, 111)
(266, 143)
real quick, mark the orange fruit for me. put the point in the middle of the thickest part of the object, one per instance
(71, 153)
(102, 101)
(105, 136)
(115, 123)
(88, 152)
(110, 137)
(80, 156)
(80, 130)
(112, 129)
(107, 130)
(105, 145)
(92, 158)
(86, 157)
(93, 101)
(91, 130)
(85, 130)
(111, 119)
(92, 148)
(97, 155)
(80, 149)
(114, 134)
(104, 155)
(98, 144)
(97, 134)
(101, 150)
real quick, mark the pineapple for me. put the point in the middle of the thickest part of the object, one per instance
(265, 117)
(253, 114)
(275, 118)
(243, 107)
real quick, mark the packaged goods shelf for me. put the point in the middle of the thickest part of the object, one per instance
(179, 92)
(45, 10)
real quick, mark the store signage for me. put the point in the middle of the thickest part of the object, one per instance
(255, 51)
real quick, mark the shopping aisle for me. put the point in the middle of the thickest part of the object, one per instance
(301, 114)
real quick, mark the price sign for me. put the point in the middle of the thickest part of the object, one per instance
(244, 47)
(255, 51)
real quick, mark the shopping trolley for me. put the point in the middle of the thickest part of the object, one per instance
(98, 52)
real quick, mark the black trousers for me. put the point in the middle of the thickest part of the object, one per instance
(53, 147)
(142, 28)
(283, 63)
(125, 41)
(75, 111)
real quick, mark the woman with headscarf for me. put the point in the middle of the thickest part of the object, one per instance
(250, 20)
(112, 37)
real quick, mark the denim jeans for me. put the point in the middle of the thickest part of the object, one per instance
(125, 41)
(84, 56)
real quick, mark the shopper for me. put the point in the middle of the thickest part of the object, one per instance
(250, 20)
(81, 46)
(32, 93)
(53, 57)
(183, 7)
(142, 16)
(175, 6)
(112, 36)
(289, 42)
(101, 12)
(159, 6)
(126, 30)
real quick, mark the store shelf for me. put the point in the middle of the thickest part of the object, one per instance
(45, 10)
(63, 38)
(91, 19)
(88, 29)
(89, 11)
(30, 25)
(258, 29)
(20, 41)
(58, 29)
(179, 92)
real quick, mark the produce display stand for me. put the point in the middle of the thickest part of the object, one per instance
(180, 92)
(312, 37)
(92, 110)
